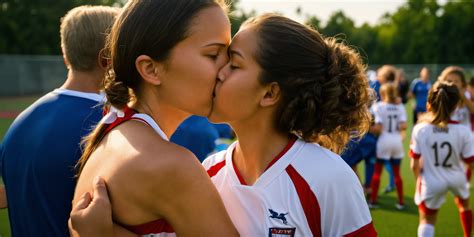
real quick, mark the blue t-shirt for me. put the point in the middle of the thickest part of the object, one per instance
(198, 135)
(38, 155)
(420, 89)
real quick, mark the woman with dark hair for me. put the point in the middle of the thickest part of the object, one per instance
(285, 89)
(165, 56)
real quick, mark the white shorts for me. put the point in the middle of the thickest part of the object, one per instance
(390, 146)
(434, 193)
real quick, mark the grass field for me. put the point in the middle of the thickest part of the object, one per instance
(389, 221)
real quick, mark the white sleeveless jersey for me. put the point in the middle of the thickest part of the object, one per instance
(443, 151)
(308, 191)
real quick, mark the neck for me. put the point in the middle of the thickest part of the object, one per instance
(166, 116)
(84, 81)
(259, 143)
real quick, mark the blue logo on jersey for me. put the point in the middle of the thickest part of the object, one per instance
(281, 216)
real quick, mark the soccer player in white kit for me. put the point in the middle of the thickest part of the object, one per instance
(390, 118)
(275, 181)
(438, 148)
(465, 108)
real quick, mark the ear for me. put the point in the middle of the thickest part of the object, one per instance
(428, 106)
(271, 96)
(102, 60)
(150, 70)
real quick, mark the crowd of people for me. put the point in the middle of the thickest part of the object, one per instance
(117, 149)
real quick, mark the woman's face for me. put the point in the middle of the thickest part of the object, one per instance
(455, 79)
(191, 70)
(238, 90)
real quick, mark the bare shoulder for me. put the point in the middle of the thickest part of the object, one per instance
(150, 157)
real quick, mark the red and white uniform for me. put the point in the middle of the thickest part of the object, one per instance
(442, 151)
(389, 143)
(115, 117)
(462, 114)
(306, 191)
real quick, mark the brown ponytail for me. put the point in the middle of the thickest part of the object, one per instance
(389, 92)
(443, 99)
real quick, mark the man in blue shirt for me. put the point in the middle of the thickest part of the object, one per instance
(42, 146)
(419, 89)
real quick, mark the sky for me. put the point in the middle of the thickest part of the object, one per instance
(359, 11)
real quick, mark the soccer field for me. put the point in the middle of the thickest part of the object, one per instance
(388, 220)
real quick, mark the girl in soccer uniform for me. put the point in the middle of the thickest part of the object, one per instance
(285, 89)
(439, 147)
(165, 57)
(465, 109)
(390, 117)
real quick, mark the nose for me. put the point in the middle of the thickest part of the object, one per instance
(221, 75)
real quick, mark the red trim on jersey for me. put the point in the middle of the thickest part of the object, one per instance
(453, 122)
(308, 200)
(239, 176)
(469, 160)
(215, 168)
(152, 227)
(424, 209)
(413, 155)
(283, 152)
(472, 122)
(364, 231)
(128, 113)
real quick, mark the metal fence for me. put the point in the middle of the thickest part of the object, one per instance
(22, 75)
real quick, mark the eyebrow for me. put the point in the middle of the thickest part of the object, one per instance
(231, 52)
(215, 44)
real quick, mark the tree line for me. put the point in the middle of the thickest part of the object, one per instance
(420, 31)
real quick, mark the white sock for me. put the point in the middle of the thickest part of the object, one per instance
(425, 230)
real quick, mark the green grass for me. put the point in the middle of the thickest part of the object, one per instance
(388, 220)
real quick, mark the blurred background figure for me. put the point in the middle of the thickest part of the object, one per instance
(42, 146)
(201, 137)
(419, 91)
(403, 86)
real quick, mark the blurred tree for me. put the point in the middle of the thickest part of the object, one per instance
(237, 16)
(314, 22)
(337, 24)
(32, 27)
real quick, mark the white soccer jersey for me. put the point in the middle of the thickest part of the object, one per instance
(389, 143)
(443, 151)
(462, 114)
(308, 191)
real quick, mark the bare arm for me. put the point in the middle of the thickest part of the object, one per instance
(3, 197)
(415, 167)
(92, 215)
(185, 196)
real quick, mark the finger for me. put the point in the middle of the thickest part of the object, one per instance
(83, 202)
(100, 191)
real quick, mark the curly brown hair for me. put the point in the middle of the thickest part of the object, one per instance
(325, 91)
